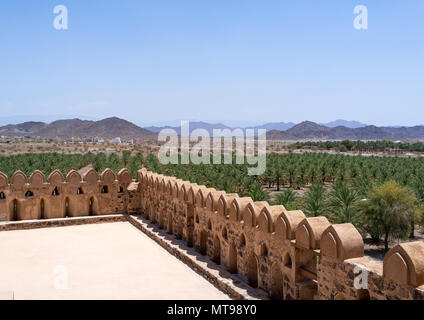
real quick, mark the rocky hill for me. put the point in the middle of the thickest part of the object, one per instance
(106, 128)
(308, 130)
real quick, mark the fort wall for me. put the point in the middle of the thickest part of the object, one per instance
(283, 252)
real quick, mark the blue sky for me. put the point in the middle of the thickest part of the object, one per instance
(239, 60)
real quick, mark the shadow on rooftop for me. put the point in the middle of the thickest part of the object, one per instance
(236, 280)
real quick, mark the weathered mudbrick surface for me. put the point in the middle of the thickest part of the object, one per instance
(282, 252)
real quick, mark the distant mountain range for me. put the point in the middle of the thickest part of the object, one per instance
(307, 130)
(5, 120)
(193, 126)
(281, 126)
(107, 128)
(210, 127)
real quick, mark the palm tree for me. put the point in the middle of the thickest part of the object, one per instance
(344, 202)
(278, 175)
(362, 186)
(287, 198)
(291, 172)
(257, 193)
(418, 188)
(314, 201)
(323, 172)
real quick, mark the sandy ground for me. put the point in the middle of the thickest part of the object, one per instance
(376, 250)
(99, 261)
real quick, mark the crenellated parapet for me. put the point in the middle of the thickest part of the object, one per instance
(340, 242)
(405, 264)
(61, 196)
(281, 251)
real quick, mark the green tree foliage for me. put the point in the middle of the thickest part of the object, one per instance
(362, 146)
(45, 162)
(388, 211)
(335, 183)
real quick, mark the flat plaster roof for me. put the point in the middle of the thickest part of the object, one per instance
(95, 261)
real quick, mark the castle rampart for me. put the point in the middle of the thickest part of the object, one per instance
(283, 252)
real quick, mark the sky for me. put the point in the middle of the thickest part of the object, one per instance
(256, 61)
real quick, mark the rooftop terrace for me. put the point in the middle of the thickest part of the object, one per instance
(95, 261)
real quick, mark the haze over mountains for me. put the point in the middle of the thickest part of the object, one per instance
(281, 126)
(209, 127)
(307, 130)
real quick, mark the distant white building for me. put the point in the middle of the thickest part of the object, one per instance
(99, 140)
(116, 140)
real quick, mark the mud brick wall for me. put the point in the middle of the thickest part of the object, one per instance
(284, 252)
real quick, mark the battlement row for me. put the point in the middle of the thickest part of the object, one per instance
(285, 253)
(37, 179)
(280, 230)
(61, 196)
